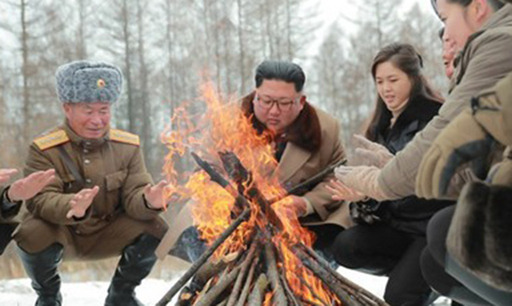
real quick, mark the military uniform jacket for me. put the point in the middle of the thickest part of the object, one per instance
(114, 163)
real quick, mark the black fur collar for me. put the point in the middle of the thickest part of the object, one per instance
(418, 109)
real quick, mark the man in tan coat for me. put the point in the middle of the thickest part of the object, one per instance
(306, 141)
(102, 202)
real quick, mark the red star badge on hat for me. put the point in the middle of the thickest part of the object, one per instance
(100, 83)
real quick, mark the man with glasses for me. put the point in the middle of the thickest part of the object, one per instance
(305, 139)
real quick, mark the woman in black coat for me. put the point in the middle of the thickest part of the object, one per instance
(389, 236)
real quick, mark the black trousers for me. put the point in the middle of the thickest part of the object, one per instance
(446, 276)
(380, 249)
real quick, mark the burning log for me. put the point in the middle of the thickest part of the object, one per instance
(267, 235)
(257, 294)
(209, 252)
(273, 275)
(213, 294)
(238, 283)
(247, 285)
(326, 277)
(351, 287)
(289, 293)
(243, 178)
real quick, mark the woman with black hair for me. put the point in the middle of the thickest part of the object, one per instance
(390, 235)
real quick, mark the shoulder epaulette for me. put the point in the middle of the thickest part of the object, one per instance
(51, 140)
(124, 137)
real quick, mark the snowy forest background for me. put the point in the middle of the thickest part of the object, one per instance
(168, 48)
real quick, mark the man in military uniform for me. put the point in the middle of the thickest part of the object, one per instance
(12, 196)
(102, 202)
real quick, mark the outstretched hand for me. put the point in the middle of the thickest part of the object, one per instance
(364, 179)
(5, 174)
(155, 194)
(81, 202)
(340, 192)
(370, 153)
(290, 206)
(27, 187)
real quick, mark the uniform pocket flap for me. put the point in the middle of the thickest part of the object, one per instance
(115, 180)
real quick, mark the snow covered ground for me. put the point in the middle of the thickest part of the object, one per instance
(17, 292)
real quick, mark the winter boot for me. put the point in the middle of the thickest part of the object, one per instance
(42, 269)
(135, 264)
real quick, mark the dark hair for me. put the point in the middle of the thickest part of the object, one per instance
(405, 58)
(280, 70)
(305, 132)
(495, 4)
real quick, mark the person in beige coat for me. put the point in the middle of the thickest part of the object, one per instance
(102, 202)
(306, 141)
(477, 233)
(484, 34)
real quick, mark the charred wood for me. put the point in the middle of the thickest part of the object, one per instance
(355, 289)
(258, 292)
(196, 265)
(213, 294)
(247, 284)
(243, 271)
(273, 276)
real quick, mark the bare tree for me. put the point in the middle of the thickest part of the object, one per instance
(422, 31)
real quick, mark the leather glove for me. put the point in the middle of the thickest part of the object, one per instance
(363, 179)
(369, 153)
(460, 142)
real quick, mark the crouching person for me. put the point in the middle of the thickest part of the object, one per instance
(101, 202)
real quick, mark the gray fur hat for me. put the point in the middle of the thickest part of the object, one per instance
(86, 81)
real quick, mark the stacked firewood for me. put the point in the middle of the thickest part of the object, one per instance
(257, 274)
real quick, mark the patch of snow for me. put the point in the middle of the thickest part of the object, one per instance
(17, 292)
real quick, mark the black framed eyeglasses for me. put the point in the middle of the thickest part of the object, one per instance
(282, 105)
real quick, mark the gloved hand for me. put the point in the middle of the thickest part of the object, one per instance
(363, 179)
(369, 153)
(460, 142)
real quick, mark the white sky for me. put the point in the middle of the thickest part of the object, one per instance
(343, 10)
(331, 10)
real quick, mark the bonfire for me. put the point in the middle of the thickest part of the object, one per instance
(258, 253)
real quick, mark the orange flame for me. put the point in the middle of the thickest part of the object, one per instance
(223, 127)
(268, 299)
